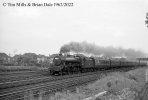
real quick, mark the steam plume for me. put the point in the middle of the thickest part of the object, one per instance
(93, 49)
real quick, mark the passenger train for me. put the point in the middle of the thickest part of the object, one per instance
(78, 63)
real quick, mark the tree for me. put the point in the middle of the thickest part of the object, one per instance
(3, 55)
(3, 58)
(29, 59)
(146, 22)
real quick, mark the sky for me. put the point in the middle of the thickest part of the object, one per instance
(43, 30)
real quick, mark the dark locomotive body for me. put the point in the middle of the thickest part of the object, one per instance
(67, 64)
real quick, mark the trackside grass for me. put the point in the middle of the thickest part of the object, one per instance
(119, 86)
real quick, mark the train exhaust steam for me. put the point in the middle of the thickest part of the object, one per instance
(92, 49)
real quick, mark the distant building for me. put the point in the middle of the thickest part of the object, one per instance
(41, 58)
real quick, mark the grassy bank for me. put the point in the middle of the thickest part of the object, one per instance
(119, 86)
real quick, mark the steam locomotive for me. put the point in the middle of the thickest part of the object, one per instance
(78, 63)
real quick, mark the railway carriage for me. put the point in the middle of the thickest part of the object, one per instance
(102, 64)
(115, 64)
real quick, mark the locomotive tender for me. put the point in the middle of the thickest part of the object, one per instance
(78, 63)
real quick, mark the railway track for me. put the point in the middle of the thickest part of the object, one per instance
(62, 82)
(21, 75)
(15, 72)
(38, 79)
(18, 78)
(12, 84)
(14, 89)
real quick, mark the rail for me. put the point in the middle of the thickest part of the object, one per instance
(47, 85)
(54, 85)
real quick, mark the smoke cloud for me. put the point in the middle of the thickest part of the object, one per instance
(92, 49)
